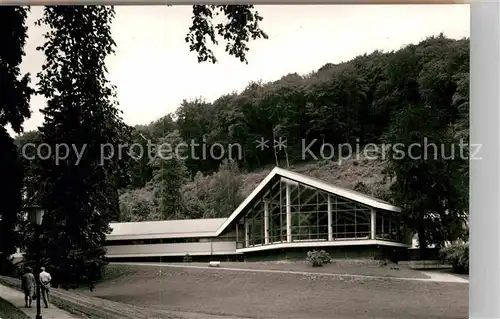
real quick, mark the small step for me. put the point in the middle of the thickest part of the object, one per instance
(428, 264)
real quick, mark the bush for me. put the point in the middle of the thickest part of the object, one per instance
(318, 258)
(457, 255)
(7, 267)
(383, 262)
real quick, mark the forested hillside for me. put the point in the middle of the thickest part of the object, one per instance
(417, 92)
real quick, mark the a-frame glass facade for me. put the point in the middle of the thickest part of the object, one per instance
(289, 211)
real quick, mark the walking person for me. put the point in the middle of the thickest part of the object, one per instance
(28, 283)
(45, 285)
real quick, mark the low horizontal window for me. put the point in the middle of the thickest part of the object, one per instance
(166, 241)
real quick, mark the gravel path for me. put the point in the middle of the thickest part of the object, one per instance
(440, 276)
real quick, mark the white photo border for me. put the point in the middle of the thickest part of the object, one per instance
(484, 204)
(484, 280)
(206, 2)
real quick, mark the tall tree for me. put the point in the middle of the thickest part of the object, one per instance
(225, 189)
(428, 179)
(16, 92)
(14, 109)
(169, 174)
(79, 190)
(193, 122)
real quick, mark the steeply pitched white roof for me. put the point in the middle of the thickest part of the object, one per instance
(314, 182)
(183, 228)
(339, 191)
(214, 227)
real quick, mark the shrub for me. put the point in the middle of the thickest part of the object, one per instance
(457, 255)
(7, 267)
(383, 262)
(318, 258)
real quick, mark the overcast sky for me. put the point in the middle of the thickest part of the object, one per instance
(154, 70)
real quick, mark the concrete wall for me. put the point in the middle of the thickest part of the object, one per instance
(177, 249)
(340, 252)
(177, 259)
(432, 253)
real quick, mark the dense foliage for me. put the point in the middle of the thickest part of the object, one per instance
(239, 25)
(430, 109)
(457, 255)
(14, 109)
(318, 258)
(356, 101)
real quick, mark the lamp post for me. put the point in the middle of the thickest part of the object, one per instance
(35, 215)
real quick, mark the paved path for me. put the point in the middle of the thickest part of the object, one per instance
(16, 298)
(444, 277)
(433, 276)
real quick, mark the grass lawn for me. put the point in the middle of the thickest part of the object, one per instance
(281, 295)
(8, 311)
(351, 267)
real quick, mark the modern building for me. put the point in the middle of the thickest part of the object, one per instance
(286, 214)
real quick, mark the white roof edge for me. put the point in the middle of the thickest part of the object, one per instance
(346, 193)
(160, 235)
(165, 221)
(355, 196)
(156, 234)
(175, 254)
(247, 200)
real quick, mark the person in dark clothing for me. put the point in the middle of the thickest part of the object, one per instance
(28, 283)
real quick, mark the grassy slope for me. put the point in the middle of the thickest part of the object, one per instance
(9, 311)
(279, 295)
(338, 267)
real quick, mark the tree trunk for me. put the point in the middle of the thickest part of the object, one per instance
(287, 162)
(274, 149)
(422, 243)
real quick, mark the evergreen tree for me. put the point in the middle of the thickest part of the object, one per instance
(169, 174)
(79, 191)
